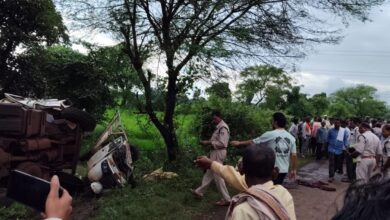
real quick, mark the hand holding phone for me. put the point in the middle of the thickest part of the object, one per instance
(56, 206)
(47, 197)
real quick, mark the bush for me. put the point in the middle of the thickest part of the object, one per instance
(245, 121)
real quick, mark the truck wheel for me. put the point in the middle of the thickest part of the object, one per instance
(85, 120)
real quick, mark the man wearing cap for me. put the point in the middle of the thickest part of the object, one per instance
(368, 148)
(218, 143)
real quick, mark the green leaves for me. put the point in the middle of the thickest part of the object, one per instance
(220, 90)
(262, 82)
(360, 101)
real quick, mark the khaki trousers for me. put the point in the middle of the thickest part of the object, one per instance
(218, 156)
(365, 168)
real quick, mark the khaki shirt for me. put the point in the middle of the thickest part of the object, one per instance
(368, 144)
(220, 137)
(245, 211)
(235, 179)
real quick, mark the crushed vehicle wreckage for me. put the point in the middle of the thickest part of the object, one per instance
(112, 163)
(43, 137)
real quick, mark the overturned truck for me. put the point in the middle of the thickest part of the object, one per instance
(40, 137)
(43, 138)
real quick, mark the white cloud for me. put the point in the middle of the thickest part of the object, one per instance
(314, 83)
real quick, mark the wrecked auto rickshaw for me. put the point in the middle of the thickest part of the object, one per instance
(112, 163)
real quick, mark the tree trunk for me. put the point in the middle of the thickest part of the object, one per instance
(170, 138)
(166, 128)
(170, 143)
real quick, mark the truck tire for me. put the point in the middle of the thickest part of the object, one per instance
(82, 118)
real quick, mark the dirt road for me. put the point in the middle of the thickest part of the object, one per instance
(313, 203)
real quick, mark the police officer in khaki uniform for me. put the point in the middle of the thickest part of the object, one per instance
(368, 148)
(218, 143)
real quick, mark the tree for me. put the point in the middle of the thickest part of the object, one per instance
(25, 24)
(320, 104)
(340, 109)
(276, 98)
(259, 82)
(119, 72)
(298, 104)
(59, 72)
(360, 101)
(202, 33)
(220, 89)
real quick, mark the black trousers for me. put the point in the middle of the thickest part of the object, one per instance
(279, 180)
(313, 145)
(334, 163)
(351, 167)
(340, 168)
(320, 150)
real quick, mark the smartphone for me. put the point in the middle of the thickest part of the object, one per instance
(29, 190)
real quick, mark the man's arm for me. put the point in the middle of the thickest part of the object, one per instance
(241, 143)
(294, 164)
(228, 173)
(359, 146)
(346, 142)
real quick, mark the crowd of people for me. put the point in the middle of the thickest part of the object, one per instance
(363, 146)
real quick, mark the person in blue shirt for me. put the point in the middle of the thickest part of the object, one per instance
(337, 139)
(322, 139)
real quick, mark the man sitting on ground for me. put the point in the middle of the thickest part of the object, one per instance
(253, 179)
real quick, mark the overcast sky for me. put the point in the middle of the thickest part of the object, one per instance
(362, 57)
